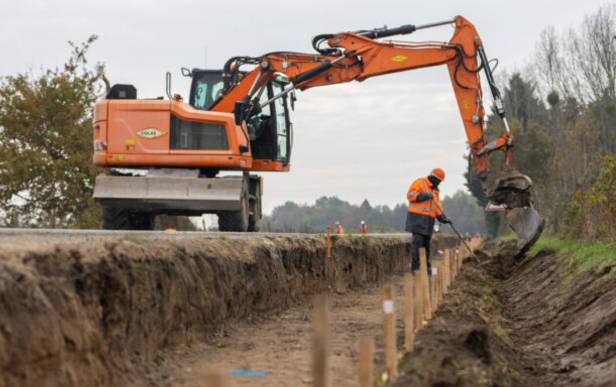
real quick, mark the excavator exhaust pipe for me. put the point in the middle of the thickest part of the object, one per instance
(528, 225)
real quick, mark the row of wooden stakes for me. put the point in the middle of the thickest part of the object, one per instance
(421, 299)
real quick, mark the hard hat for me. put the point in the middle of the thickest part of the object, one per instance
(438, 173)
(362, 222)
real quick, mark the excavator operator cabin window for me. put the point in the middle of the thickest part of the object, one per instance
(258, 124)
(208, 87)
(282, 125)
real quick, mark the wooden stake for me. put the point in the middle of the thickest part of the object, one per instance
(433, 300)
(366, 373)
(409, 335)
(419, 308)
(214, 378)
(454, 271)
(470, 246)
(423, 270)
(439, 282)
(446, 270)
(459, 260)
(390, 332)
(321, 340)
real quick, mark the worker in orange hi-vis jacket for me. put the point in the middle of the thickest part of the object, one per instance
(338, 230)
(424, 208)
(363, 228)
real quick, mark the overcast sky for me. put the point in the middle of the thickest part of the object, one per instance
(358, 141)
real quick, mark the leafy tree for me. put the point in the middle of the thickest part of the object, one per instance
(46, 170)
(590, 210)
(466, 214)
(521, 102)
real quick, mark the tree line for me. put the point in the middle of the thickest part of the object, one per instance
(304, 218)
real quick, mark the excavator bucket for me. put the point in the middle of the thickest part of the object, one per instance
(511, 188)
(527, 224)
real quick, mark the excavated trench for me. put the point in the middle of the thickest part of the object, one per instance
(535, 322)
(118, 309)
(90, 310)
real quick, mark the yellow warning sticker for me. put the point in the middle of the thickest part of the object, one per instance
(151, 133)
(399, 58)
(465, 103)
(120, 158)
(130, 142)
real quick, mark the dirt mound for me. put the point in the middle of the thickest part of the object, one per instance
(513, 323)
(92, 311)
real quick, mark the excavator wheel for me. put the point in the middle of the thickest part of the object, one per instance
(254, 206)
(125, 219)
(235, 220)
(253, 219)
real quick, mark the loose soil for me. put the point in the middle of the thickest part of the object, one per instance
(535, 322)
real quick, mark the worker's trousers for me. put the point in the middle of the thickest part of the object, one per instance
(418, 242)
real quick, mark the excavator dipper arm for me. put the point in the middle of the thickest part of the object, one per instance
(357, 56)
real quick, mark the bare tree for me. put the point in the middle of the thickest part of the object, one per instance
(593, 54)
(549, 62)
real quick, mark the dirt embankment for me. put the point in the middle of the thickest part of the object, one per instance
(92, 311)
(535, 322)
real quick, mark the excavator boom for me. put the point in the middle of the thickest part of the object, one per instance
(253, 97)
(357, 56)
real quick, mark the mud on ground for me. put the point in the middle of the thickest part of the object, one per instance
(535, 322)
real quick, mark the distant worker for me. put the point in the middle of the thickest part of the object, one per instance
(339, 230)
(424, 208)
(363, 228)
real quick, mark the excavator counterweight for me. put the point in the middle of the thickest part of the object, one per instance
(238, 119)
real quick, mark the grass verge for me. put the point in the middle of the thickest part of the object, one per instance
(581, 255)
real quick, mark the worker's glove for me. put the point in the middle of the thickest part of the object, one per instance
(443, 219)
(422, 197)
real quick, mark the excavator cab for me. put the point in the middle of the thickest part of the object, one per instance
(269, 131)
(206, 86)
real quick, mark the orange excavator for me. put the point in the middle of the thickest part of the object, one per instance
(165, 155)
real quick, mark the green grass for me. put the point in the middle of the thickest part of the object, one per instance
(581, 255)
(510, 237)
